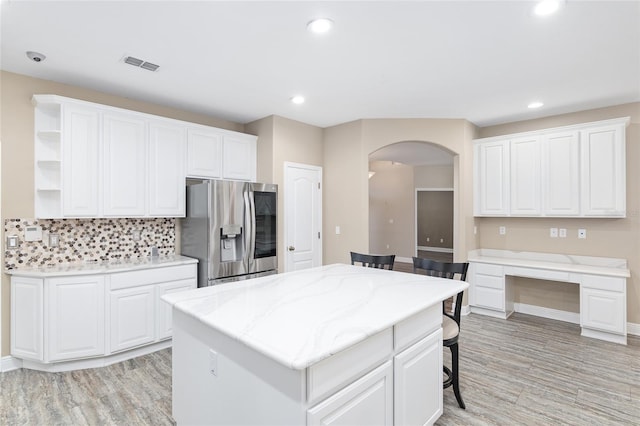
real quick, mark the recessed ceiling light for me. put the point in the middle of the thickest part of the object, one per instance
(297, 99)
(546, 7)
(534, 105)
(320, 25)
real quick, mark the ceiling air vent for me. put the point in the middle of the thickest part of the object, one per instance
(140, 63)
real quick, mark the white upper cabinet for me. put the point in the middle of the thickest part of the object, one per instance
(561, 174)
(239, 157)
(216, 153)
(93, 160)
(204, 156)
(167, 159)
(80, 145)
(125, 165)
(573, 171)
(491, 165)
(525, 176)
(603, 171)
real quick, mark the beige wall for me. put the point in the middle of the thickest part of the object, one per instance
(17, 148)
(283, 140)
(433, 177)
(605, 237)
(347, 147)
(391, 209)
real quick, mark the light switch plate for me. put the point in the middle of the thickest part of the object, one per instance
(12, 242)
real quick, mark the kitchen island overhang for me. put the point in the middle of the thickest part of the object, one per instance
(292, 348)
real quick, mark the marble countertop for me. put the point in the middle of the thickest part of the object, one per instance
(80, 268)
(607, 266)
(299, 318)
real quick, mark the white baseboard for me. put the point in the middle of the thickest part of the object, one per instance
(555, 314)
(404, 259)
(633, 329)
(437, 249)
(9, 363)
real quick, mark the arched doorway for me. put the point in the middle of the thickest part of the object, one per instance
(405, 177)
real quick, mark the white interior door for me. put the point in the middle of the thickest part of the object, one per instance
(302, 216)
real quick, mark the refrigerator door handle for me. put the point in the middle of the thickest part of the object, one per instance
(249, 221)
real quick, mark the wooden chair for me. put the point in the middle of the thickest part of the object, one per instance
(373, 261)
(450, 323)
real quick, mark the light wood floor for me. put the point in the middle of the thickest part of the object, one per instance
(522, 371)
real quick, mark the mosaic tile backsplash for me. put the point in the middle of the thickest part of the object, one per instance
(88, 240)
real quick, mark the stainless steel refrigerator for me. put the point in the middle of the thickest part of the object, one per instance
(230, 227)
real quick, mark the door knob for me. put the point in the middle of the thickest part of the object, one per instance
(291, 248)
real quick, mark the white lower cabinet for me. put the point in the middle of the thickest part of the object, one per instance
(368, 401)
(487, 289)
(164, 316)
(132, 317)
(393, 377)
(75, 320)
(69, 318)
(603, 304)
(418, 382)
(27, 316)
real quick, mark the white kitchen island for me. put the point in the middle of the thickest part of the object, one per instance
(338, 344)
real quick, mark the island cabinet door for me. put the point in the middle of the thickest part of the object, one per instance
(367, 401)
(418, 382)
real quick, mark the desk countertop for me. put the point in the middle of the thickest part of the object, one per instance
(299, 318)
(606, 266)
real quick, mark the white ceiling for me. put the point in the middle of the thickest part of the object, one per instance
(241, 61)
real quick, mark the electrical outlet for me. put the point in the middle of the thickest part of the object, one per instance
(502, 230)
(563, 232)
(54, 240)
(553, 232)
(135, 235)
(582, 233)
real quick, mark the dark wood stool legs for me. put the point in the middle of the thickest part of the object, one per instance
(452, 376)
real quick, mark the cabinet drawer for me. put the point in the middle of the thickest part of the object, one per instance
(488, 281)
(489, 269)
(416, 327)
(337, 371)
(489, 298)
(368, 401)
(604, 283)
(151, 276)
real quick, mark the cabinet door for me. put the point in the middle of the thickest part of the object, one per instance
(368, 401)
(80, 151)
(125, 165)
(603, 303)
(75, 326)
(525, 175)
(603, 171)
(204, 153)
(132, 319)
(26, 318)
(491, 172)
(164, 309)
(167, 148)
(418, 382)
(561, 174)
(239, 157)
